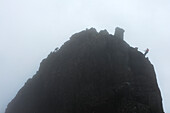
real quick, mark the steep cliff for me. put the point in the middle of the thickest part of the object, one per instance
(91, 73)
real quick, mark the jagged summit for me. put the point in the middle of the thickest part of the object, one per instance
(119, 32)
(93, 72)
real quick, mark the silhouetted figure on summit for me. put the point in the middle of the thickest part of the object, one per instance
(146, 51)
(119, 32)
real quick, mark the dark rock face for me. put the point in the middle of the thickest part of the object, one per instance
(91, 73)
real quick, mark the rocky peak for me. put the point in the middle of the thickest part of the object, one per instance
(91, 73)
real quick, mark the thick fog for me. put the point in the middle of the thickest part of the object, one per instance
(31, 29)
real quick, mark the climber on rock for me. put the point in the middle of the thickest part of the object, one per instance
(146, 51)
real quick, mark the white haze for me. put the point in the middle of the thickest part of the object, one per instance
(31, 29)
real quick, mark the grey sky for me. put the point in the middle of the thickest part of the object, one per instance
(31, 29)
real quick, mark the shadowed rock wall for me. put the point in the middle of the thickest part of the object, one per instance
(91, 73)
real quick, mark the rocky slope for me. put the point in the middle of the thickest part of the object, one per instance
(91, 73)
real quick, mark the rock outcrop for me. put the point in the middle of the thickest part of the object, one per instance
(91, 73)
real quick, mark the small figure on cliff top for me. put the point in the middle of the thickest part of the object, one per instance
(146, 51)
(119, 32)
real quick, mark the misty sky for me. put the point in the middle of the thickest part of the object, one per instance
(31, 29)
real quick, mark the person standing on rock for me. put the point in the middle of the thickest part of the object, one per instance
(146, 51)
